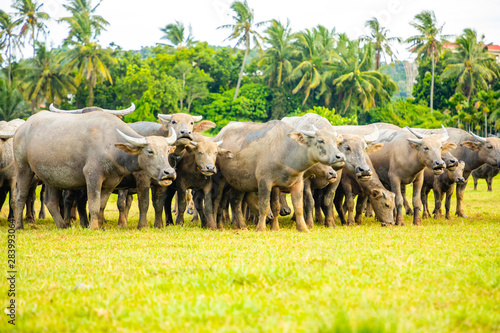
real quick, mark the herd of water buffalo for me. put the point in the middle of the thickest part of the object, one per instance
(84, 155)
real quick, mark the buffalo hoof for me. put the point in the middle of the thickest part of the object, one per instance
(260, 229)
(285, 211)
(462, 215)
(417, 221)
(302, 227)
(447, 216)
(400, 221)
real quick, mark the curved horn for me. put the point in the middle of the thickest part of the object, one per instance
(172, 138)
(138, 142)
(166, 117)
(314, 128)
(445, 134)
(54, 109)
(219, 143)
(7, 134)
(310, 134)
(418, 135)
(477, 137)
(197, 118)
(194, 143)
(123, 112)
(373, 136)
(419, 141)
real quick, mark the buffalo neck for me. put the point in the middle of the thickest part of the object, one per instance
(298, 156)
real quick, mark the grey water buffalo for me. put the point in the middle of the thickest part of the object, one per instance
(195, 169)
(474, 150)
(441, 185)
(93, 150)
(273, 155)
(402, 159)
(486, 172)
(118, 113)
(7, 167)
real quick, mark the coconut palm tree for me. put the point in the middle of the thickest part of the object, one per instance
(12, 103)
(429, 43)
(311, 60)
(244, 31)
(9, 38)
(85, 55)
(276, 58)
(46, 81)
(30, 12)
(176, 34)
(380, 41)
(359, 85)
(472, 65)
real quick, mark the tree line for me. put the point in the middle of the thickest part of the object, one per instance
(271, 72)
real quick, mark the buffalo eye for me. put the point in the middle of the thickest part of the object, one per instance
(192, 123)
(489, 147)
(387, 205)
(426, 148)
(348, 148)
(174, 122)
(150, 152)
(321, 141)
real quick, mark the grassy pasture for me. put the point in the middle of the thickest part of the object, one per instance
(443, 276)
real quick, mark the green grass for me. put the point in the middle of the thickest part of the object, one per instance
(443, 276)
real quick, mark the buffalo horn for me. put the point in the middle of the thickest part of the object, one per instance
(219, 143)
(123, 112)
(138, 142)
(172, 138)
(419, 141)
(477, 137)
(373, 136)
(194, 143)
(166, 117)
(445, 134)
(418, 135)
(314, 128)
(308, 133)
(6, 134)
(54, 109)
(197, 118)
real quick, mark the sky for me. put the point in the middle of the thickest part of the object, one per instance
(136, 23)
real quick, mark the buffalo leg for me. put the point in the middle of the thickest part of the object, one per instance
(296, 192)
(396, 189)
(53, 196)
(438, 199)
(208, 207)
(121, 203)
(328, 195)
(460, 198)
(236, 200)
(198, 204)
(408, 209)
(166, 204)
(308, 204)
(369, 209)
(105, 194)
(68, 200)
(180, 202)
(360, 205)
(447, 204)
(417, 200)
(41, 213)
(94, 184)
(30, 205)
(275, 208)
(475, 182)
(339, 197)
(489, 181)
(285, 210)
(24, 178)
(318, 201)
(425, 202)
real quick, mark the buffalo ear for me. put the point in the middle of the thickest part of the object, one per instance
(471, 145)
(225, 152)
(376, 193)
(164, 123)
(172, 150)
(203, 126)
(340, 139)
(448, 147)
(299, 137)
(128, 149)
(374, 148)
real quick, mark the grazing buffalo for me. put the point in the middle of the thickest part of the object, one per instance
(402, 159)
(487, 172)
(273, 155)
(474, 151)
(93, 150)
(441, 185)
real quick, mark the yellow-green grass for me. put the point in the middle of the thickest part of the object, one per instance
(442, 276)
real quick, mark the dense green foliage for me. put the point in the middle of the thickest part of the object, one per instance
(278, 72)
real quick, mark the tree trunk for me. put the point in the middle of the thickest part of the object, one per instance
(9, 73)
(242, 67)
(485, 125)
(432, 84)
(189, 105)
(91, 89)
(377, 60)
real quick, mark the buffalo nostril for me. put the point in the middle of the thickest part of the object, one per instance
(339, 157)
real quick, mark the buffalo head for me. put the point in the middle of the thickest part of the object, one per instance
(383, 203)
(184, 124)
(488, 149)
(152, 154)
(205, 154)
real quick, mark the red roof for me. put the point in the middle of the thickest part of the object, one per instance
(494, 47)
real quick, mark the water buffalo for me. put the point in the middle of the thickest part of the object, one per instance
(402, 159)
(118, 113)
(441, 185)
(474, 151)
(93, 150)
(273, 155)
(7, 168)
(487, 172)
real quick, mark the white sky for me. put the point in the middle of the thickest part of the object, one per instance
(136, 23)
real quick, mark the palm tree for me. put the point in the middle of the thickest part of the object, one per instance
(85, 55)
(46, 79)
(312, 58)
(11, 101)
(472, 65)
(175, 34)
(30, 12)
(243, 30)
(358, 84)
(276, 58)
(9, 38)
(429, 43)
(380, 41)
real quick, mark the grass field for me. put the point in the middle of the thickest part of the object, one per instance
(440, 277)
